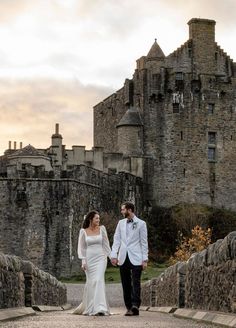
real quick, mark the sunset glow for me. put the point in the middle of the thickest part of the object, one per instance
(58, 58)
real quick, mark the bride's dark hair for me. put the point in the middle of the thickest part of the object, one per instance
(89, 218)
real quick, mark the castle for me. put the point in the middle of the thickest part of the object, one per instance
(172, 125)
(167, 136)
(176, 119)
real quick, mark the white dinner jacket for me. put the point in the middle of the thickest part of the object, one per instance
(135, 245)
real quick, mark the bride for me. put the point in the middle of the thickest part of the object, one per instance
(93, 249)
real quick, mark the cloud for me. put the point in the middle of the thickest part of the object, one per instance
(10, 9)
(96, 42)
(29, 110)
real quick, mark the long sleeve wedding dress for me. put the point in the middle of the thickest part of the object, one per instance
(94, 250)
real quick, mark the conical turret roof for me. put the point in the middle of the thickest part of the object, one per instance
(155, 51)
(131, 118)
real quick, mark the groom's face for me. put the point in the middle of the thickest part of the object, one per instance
(124, 211)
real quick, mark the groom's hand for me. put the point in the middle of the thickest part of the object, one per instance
(114, 262)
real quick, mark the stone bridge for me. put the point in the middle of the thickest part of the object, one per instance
(203, 289)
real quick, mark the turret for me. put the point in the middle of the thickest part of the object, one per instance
(130, 133)
(155, 57)
(155, 52)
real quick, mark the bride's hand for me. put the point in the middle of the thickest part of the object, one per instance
(84, 267)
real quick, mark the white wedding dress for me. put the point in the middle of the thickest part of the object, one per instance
(93, 250)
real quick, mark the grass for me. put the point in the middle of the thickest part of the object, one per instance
(112, 274)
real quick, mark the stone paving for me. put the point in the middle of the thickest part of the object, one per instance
(65, 319)
(113, 292)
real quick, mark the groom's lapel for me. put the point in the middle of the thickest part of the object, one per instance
(124, 229)
(134, 227)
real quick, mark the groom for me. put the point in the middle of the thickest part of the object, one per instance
(130, 252)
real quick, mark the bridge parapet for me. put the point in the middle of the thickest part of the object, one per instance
(207, 281)
(23, 284)
(211, 277)
(166, 290)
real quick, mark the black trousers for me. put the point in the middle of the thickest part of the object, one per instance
(130, 279)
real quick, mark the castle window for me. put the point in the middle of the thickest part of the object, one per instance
(212, 138)
(181, 135)
(179, 76)
(211, 154)
(189, 52)
(211, 146)
(179, 81)
(23, 166)
(155, 80)
(175, 107)
(211, 108)
(216, 55)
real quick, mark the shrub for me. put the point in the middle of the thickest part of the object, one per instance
(198, 241)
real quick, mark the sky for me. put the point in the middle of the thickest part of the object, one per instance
(59, 58)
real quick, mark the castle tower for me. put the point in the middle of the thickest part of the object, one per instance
(130, 133)
(202, 34)
(57, 146)
(154, 57)
(155, 52)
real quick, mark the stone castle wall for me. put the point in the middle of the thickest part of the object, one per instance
(107, 115)
(41, 218)
(206, 281)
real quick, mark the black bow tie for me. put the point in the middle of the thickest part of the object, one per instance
(131, 220)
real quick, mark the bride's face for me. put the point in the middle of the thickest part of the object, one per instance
(96, 220)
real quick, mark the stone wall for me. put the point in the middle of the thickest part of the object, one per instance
(41, 288)
(206, 281)
(12, 286)
(167, 289)
(23, 284)
(107, 115)
(211, 277)
(40, 218)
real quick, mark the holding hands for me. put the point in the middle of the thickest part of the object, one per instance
(114, 261)
(84, 266)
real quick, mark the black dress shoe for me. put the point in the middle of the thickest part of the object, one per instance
(100, 314)
(129, 313)
(135, 310)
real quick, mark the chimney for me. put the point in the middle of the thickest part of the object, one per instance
(14, 145)
(21, 145)
(9, 145)
(57, 128)
(202, 35)
(202, 29)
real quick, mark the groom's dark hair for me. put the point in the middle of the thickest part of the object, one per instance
(129, 205)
